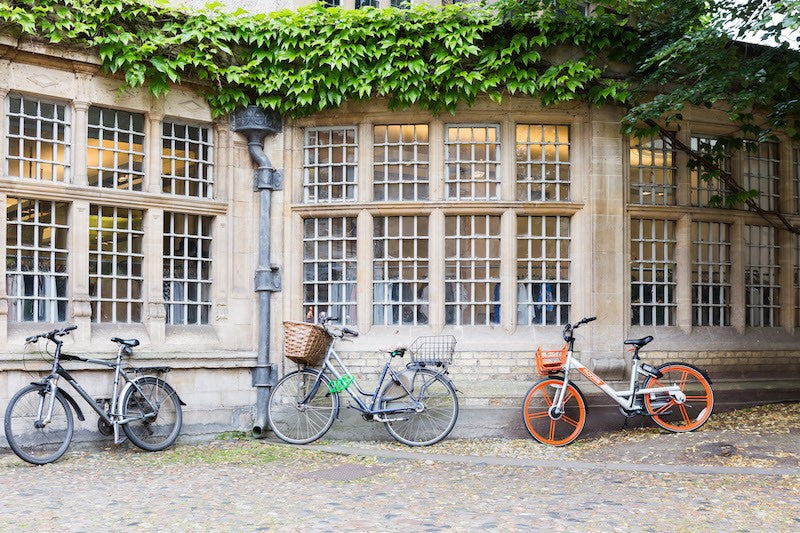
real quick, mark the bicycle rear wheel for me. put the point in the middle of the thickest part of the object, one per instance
(558, 431)
(680, 417)
(296, 412)
(431, 419)
(157, 413)
(38, 445)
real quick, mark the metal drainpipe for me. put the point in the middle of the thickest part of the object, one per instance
(255, 124)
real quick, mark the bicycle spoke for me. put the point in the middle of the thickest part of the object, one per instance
(540, 414)
(568, 420)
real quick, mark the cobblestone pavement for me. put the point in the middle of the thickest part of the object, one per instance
(246, 485)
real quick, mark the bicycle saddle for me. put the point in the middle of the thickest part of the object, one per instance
(639, 342)
(127, 342)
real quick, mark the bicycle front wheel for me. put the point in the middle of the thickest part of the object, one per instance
(674, 416)
(156, 412)
(38, 445)
(427, 415)
(555, 429)
(297, 412)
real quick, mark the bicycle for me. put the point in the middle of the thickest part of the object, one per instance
(676, 395)
(417, 405)
(39, 424)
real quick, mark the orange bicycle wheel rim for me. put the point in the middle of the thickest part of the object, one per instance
(690, 415)
(544, 429)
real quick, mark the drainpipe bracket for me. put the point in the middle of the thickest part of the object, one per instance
(268, 178)
(268, 279)
(264, 375)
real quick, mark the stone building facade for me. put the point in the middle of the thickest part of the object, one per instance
(135, 216)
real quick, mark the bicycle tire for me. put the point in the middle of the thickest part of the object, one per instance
(536, 416)
(675, 417)
(298, 423)
(437, 418)
(38, 446)
(160, 431)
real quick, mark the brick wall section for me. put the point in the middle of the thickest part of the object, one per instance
(485, 367)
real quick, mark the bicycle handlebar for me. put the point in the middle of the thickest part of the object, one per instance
(569, 328)
(51, 335)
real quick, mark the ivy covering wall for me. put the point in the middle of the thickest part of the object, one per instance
(304, 61)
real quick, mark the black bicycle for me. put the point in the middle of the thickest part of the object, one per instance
(39, 422)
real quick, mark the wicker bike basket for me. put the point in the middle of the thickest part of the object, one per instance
(304, 343)
(549, 361)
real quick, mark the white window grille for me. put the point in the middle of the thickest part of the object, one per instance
(703, 191)
(187, 268)
(36, 260)
(187, 160)
(400, 271)
(472, 162)
(115, 264)
(711, 274)
(652, 171)
(329, 268)
(330, 169)
(762, 277)
(115, 157)
(653, 269)
(367, 3)
(543, 165)
(472, 269)
(761, 172)
(38, 139)
(400, 162)
(543, 284)
(401, 4)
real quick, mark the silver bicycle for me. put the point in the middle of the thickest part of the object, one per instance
(39, 424)
(417, 404)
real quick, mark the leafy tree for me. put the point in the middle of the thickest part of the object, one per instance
(695, 53)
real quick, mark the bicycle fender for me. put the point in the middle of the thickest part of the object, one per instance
(166, 386)
(67, 397)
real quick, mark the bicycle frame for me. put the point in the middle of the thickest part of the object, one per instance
(626, 399)
(113, 417)
(371, 409)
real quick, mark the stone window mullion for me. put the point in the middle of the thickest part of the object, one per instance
(436, 170)
(364, 253)
(80, 123)
(508, 249)
(683, 272)
(152, 269)
(437, 259)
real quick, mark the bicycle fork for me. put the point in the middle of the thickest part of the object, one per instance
(51, 386)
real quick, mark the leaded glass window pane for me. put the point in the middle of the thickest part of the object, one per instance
(329, 268)
(653, 267)
(115, 264)
(472, 269)
(543, 263)
(400, 270)
(36, 260)
(38, 139)
(115, 156)
(187, 268)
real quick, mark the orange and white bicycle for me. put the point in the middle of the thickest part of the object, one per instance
(677, 396)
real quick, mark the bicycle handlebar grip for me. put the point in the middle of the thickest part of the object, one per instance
(589, 319)
(32, 338)
(69, 328)
(350, 332)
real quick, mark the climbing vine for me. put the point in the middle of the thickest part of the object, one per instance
(311, 59)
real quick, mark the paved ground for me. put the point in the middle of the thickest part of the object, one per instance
(741, 472)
